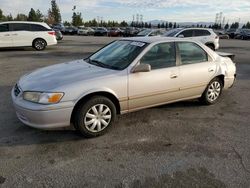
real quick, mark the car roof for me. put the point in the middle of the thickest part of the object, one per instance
(154, 39)
(27, 22)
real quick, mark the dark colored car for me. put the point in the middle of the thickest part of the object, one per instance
(115, 32)
(242, 34)
(101, 31)
(150, 33)
(231, 33)
(59, 35)
(130, 32)
(70, 30)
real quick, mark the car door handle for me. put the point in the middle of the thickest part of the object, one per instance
(7, 35)
(173, 76)
(14, 34)
(210, 70)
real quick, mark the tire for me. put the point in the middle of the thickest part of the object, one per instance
(89, 121)
(212, 93)
(211, 46)
(39, 44)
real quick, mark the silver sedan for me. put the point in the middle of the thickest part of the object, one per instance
(126, 75)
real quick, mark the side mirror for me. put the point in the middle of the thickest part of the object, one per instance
(180, 36)
(142, 68)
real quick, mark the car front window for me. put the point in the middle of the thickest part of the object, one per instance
(118, 55)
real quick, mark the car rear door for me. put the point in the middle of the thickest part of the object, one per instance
(197, 69)
(5, 36)
(188, 33)
(158, 86)
(202, 35)
(21, 34)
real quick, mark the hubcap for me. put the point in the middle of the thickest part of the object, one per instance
(39, 44)
(214, 91)
(97, 118)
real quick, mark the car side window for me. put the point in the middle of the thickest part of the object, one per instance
(4, 27)
(187, 33)
(36, 27)
(191, 53)
(160, 56)
(200, 32)
(20, 27)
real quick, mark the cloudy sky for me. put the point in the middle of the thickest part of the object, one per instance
(170, 10)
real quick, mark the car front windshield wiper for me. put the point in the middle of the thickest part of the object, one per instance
(101, 64)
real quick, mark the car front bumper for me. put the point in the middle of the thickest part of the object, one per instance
(42, 116)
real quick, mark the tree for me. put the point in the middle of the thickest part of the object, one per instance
(21, 17)
(226, 26)
(162, 25)
(77, 19)
(9, 17)
(32, 15)
(174, 24)
(55, 12)
(166, 25)
(170, 25)
(2, 17)
(66, 23)
(149, 25)
(39, 16)
(248, 25)
(159, 25)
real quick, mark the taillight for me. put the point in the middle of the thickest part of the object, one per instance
(52, 33)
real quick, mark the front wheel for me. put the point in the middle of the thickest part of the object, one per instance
(39, 44)
(95, 117)
(212, 92)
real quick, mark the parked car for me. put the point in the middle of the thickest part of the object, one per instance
(59, 35)
(101, 31)
(58, 26)
(22, 34)
(242, 34)
(70, 30)
(85, 31)
(206, 36)
(150, 33)
(231, 33)
(115, 32)
(222, 35)
(140, 73)
(130, 32)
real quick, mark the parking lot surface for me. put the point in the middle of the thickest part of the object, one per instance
(184, 144)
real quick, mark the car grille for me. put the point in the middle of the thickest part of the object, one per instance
(17, 91)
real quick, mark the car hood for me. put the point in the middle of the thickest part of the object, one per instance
(56, 76)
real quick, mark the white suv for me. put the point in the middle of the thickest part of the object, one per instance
(21, 34)
(206, 36)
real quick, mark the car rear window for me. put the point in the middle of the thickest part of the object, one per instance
(187, 33)
(198, 33)
(37, 27)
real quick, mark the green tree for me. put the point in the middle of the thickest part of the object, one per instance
(159, 25)
(248, 25)
(77, 19)
(175, 25)
(170, 25)
(226, 26)
(55, 12)
(166, 25)
(21, 17)
(2, 17)
(162, 25)
(32, 15)
(9, 18)
(149, 25)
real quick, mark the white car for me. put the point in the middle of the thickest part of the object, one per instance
(85, 31)
(205, 36)
(22, 34)
(127, 75)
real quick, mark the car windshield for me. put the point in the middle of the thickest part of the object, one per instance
(118, 55)
(172, 33)
(144, 32)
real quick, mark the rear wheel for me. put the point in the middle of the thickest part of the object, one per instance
(95, 117)
(212, 92)
(39, 44)
(211, 46)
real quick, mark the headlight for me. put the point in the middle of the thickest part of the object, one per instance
(42, 97)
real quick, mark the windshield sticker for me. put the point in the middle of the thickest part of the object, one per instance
(140, 44)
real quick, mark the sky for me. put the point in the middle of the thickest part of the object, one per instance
(168, 10)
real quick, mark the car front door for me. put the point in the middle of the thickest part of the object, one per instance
(159, 85)
(5, 36)
(197, 69)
